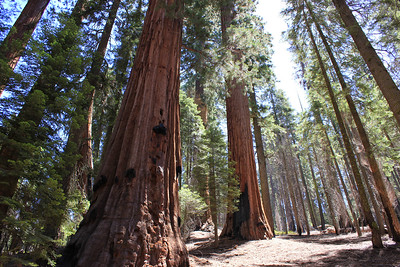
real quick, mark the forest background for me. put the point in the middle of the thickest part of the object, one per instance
(336, 162)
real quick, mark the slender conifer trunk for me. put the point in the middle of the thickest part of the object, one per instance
(376, 173)
(17, 39)
(376, 238)
(262, 165)
(382, 77)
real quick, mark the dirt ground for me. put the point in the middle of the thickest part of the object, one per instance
(291, 250)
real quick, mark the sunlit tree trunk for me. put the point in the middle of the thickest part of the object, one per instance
(381, 75)
(386, 83)
(249, 222)
(326, 187)
(307, 193)
(79, 142)
(376, 238)
(14, 44)
(134, 216)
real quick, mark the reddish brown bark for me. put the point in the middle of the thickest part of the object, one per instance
(14, 44)
(249, 221)
(134, 216)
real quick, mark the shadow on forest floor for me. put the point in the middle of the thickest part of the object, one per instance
(315, 250)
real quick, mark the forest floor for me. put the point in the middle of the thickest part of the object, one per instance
(292, 250)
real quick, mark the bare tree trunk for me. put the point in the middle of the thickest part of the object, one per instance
(308, 197)
(376, 238)
(326, 191)
(321, 213)
(14, 44)
(262, 165)
(374, 63)
(289, 183)
(134, 216)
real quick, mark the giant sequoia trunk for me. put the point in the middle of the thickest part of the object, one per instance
(371, 58)
(134, 216)
(14, 44)
(249, 221)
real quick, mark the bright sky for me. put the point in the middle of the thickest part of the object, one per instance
(282, 58)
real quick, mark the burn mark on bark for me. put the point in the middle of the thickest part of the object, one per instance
(178, 170)
(243, 214)
(179, 221)
(161, 111)
(130, 174)
(160, 129)
(116, 180)
(101, 182)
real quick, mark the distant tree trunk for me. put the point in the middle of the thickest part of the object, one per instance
(287, 207)
(326, 187)
(213, 205)
(202, 107)
(262, 165)
(376, 238)
(14, 44)
(366, 175)
(299, 196)
(82, 136)
(371, 58)
(321, 213)
(342, 208)
(307, 193)
(134, 216)
(249, 221)
(289, 183)
(386, 83)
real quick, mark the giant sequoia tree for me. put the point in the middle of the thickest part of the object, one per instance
(249, 221)
(134, 216)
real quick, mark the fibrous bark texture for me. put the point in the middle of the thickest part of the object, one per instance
(249, 221)
(134, 216)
